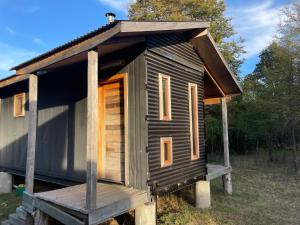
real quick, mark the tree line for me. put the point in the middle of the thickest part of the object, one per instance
(267, 115)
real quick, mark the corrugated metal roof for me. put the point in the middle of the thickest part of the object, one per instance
(70, 43)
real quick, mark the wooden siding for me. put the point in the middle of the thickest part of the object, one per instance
(137, 126)
(172, 55)
(61, 128)
(61, 134)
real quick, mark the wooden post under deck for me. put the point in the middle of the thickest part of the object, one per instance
(227, 177)
(92, 130)
(32, 126)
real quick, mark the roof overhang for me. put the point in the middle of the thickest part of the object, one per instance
(97, 37)
(215, 64)
(201, 40)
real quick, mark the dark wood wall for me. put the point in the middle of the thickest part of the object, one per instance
(172, 55)
(61, 127)
(61, 135)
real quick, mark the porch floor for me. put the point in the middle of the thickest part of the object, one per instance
(215, 171)
(112, 200)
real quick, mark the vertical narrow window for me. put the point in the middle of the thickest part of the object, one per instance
(166, 151)
(164, 97)
(19, 105)
(194, 131)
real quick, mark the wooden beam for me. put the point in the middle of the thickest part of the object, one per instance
(215, 101)
(92, 130)
(31, 145)
(214, 81)
(136, 26)
(227, 177)
(56, 213)
(69, 52)
(13, 80)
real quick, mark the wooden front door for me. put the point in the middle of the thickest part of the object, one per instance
(112, 133)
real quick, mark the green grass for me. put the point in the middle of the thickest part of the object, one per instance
(263, 195)
(8, 205)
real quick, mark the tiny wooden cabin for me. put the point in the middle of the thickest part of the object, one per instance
(123, 104)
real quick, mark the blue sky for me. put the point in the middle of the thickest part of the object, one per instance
(31, 27)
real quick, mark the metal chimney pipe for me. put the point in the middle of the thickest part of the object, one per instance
(110, 17)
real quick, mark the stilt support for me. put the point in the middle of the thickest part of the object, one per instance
(202, 194)
(146, 214)
(5, 183)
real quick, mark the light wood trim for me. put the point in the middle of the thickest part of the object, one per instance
(21, 95)
(215, 101)
(161, 97)
(214, 81)
(169, 141)
(194, 128)
(112, 79)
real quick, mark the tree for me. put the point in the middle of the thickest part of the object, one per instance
(199, 10)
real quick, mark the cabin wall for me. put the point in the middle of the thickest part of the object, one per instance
(172, 55)
(61, 134)
(60, 153)
(13, 131)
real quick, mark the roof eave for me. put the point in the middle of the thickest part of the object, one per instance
(214, 60)
(124, 27)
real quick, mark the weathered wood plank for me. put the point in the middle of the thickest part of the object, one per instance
(117, 208)
(132, 27)
(92, 129)
(31, 146)
(69, 52)
(227, 177)
(13, 80)
(215, 171)
(57, 214)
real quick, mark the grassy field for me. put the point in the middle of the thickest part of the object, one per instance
(264, 194)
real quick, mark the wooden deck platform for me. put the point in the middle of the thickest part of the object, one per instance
(68, 205)
(215, 171)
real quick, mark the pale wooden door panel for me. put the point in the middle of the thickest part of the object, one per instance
(112, 137)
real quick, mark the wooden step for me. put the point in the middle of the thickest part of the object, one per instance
(15, 220)
(21, 213)
(6, 222)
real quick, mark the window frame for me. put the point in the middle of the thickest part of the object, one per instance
(22, 114)
(194, 122)
(169, 141)
(163, 117)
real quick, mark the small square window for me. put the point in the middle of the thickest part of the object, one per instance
(164, 97)
(166, 151)
(19, 105)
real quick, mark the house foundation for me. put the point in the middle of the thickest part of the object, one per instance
(5, 183)
(202, 194)
(146, 214)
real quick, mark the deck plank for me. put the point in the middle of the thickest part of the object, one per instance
(108, 195)
(215, 171)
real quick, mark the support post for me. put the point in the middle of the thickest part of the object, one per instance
(32, 127)
(227, 177)
(92, 130)
(202, 194)
(146, 214)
